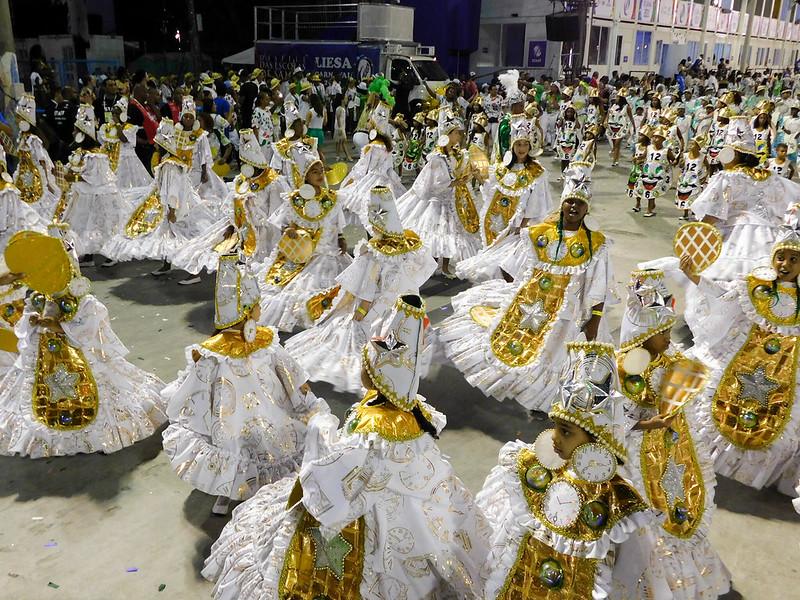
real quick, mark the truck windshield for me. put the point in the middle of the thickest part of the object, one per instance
(430, 70)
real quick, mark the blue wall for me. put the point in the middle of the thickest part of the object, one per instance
(450, 25)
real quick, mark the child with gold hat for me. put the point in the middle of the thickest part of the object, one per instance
(656, 174)
(665, 464)
(566, 524)
(34, 175)
(86, 396)
(238, 411)
(693, 177)
(395, 261)
(515, 195)
(377, 512)
(508, 339)
(747, 335)
(15, 214)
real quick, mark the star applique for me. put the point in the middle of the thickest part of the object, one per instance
(331, 554)
(62, 384)
(756, 386)
(533, 316)
(580, 182)
(672, 482)
(378, 215)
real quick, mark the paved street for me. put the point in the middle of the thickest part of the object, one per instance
(118, 527)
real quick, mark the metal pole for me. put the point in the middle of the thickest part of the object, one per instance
(745, 59)
(703, 31)
(612, 37)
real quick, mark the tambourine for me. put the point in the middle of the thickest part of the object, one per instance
(701, 241)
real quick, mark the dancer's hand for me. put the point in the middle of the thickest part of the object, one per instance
(171, 216)
(687, 266)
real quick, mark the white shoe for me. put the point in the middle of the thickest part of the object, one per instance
(190, 280)
(110, 263)
(221, 506)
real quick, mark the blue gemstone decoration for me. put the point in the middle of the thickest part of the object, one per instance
(551, 575)
(67, 306)
(65, 419)
(53, 345)
(680, 513)
(594, 514)
(542, 241)
(504, 201)
(772, 346)
(254, 186)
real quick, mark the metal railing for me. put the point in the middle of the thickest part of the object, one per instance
(332, 21)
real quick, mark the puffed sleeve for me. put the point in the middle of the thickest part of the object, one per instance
(711, 201)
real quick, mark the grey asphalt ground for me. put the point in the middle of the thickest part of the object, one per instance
(117, 527)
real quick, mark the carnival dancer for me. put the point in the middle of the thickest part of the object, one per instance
(168, 216)
(566, 524)
(515, 101)
(638, 159)
(656, 175)
(294, 140)
(587, 149)
(665, 465)
(567, 137)
(780, 164)
(15, 215)
(194, 146)
(369, 493)
(92, 205)
(312, 250)
(762, 130)
(551, 103)
(508, 339)
(118, 138)
(493, 108)
(440, 206)
(619, 124)
(86, 396)
(747, 418)
(694, 174)
(516, 195)
(395, 261)
(374, 168)
(716, 139)
(257, 193)
(238, 411)
(34, 175)
(413, 157)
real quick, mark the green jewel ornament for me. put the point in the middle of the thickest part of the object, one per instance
(594, 514)
(38, 301)
(762, 292)
(634, 384)
(504, 201)
(537, 477)
(680, 513)
(551, 574)
(299, 202)
(577, 250)
(9, 310)
(772, 346)
(326, 302)
(351, 426)
(514, 347)
(53, 345)
(542, 241)
(330, 554)
(67, 305)
(748, 419)
(522, 179)
(545, 283)
(326, 203)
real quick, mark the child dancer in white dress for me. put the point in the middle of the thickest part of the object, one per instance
(393, 262)
(377, 511)
(86, 396)
(238, 411)
(15, 215)
(119, 142)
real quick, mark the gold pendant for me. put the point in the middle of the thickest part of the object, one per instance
(29, 181)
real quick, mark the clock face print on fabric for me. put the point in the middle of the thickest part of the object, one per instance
(561, 504)
(594, 463)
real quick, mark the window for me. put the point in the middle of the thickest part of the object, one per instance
(641, 51)
(777, 57)
(694, 49)
(618, 51)
(598, 45)
(659, 47)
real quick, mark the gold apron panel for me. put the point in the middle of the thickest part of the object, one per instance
(29, 181)
(516, 345)
(754, 398)
(146, 218)
(465, 208)
(284, 270)
(503, 205)
(64, 392)
(112, 150)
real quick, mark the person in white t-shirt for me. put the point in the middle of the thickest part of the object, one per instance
(340, 131)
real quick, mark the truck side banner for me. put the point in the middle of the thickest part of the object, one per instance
(356, 60)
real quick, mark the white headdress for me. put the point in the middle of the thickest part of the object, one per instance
(448, 121)
(379, 121)
(382, 212)
(510, 82)
(739, 136)
(85, 121)
(250, 150)
(590, 396)
(650, 309)
(392, 361)
(188, 106)
(166, 136)
(578, 182)
(26, 108)
(236, 292)
(122, 105)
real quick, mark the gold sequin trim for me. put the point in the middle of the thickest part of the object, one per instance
(394, 245)
(233, 344)
(28, 179)
(147, 217)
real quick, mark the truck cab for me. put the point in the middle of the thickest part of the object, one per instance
(407, 68)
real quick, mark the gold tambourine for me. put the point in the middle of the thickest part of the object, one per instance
(336, 173)
(701, 241)
(8, 341)
(479, 161)
(43, 261)
(298, 249)
(222, 170)
(682, 382)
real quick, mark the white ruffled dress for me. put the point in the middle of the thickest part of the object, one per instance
(16, 215)
(284, 307)
(214, 190)
(620, 552)
(129, 399)
(237, 422)
(690, 567)
(331, 350)
(130, 172)
(534, 204)
(375, 167)
(429, 208)
(174, 190)
(424, 537)
(724, 331)
(257, 206)
(469, 344)
(96, 210)
(35, 174)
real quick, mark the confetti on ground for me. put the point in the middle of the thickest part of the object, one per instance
(167, 358)
(37, 518)
(55, 586)
(51, 544)
(162, 587)
(131, 570)
(14, 575)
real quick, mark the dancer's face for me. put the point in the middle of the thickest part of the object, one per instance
(787, 264)
(659, 343)
(521, 149)
(568, 436)
(316, 175)
(573, 211)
